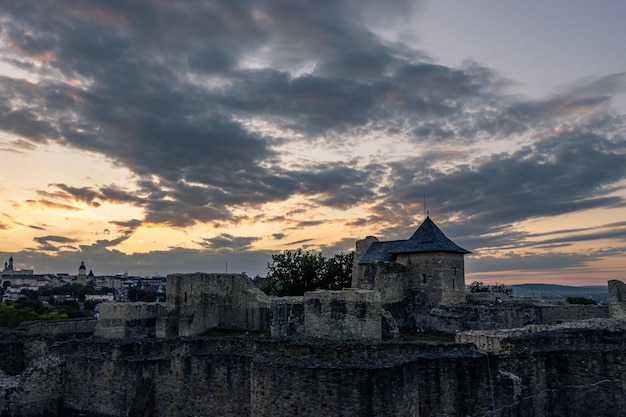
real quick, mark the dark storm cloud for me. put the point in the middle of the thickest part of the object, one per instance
(557, 174)
(167, 89)
(57, 239)
(135, 101)
(228, 242)
(299, 242)
(53, 243)
(532, 261)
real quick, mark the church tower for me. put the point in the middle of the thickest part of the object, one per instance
(82, 274)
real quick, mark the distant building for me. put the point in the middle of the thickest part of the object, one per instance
(9, 271)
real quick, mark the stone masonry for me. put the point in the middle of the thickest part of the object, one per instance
(342, 315)
(569, 372)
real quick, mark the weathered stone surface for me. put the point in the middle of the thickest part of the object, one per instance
(201, 301)
(617, 299)
(551, 373)
(546, 373)
(343, 315)
(196, 303)
(59, 327)
(287, 317)
(508, 314)
(120, 320)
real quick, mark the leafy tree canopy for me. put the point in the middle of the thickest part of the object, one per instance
(478, 286)
(580, 300)
(296, 272)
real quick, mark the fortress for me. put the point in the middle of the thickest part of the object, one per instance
(327, 353)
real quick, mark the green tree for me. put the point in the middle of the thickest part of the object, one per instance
(296, 272)
(478, 286)
(11, 316)
(580, 300)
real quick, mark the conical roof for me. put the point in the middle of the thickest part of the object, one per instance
(427, 238)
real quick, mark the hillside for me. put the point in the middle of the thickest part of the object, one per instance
(599, 293)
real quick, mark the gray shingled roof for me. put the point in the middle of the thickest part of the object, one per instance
(427, 238)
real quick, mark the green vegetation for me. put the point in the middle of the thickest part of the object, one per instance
(296, 272)
(580, 300)
(12, 314)
(477, 287)
(48, 304)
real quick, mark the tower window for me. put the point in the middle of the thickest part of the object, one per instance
(452, 283)
(423, 278)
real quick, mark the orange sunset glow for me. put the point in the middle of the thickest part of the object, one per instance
(182, 137)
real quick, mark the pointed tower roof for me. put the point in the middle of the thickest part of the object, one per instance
(427, 238)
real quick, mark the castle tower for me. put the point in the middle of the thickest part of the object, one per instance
(424, 271)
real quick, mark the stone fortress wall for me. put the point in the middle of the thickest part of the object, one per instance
(200, 302)
(572, 371)
(329, 352)
(532, 371)
(557, 319)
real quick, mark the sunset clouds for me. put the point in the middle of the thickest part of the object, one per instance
(220, 131)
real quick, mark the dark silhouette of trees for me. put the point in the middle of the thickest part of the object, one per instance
(296, 272)
(478, 286)
(580, 300)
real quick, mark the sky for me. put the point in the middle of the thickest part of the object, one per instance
(153, 137)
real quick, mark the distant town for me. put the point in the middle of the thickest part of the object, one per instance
(120, 287)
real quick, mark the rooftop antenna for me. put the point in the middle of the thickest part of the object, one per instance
(425, 211)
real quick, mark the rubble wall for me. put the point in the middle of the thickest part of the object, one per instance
(202, 301)
(617, 299)
(508, 314)
(573, 372)
(120, 320)
(343, 315)
(66, 326)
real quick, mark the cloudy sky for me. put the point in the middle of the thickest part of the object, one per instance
(154, 136)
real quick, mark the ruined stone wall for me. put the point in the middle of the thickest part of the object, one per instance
(287, 317)
(617, 299)
(565, 372)
(158, 379)
(386, 277)
(119, 320)
(342, 315)
(67, 326)
(572, 312)
(203, 301)
(575, 372)
(508, 314)
(362, 245)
